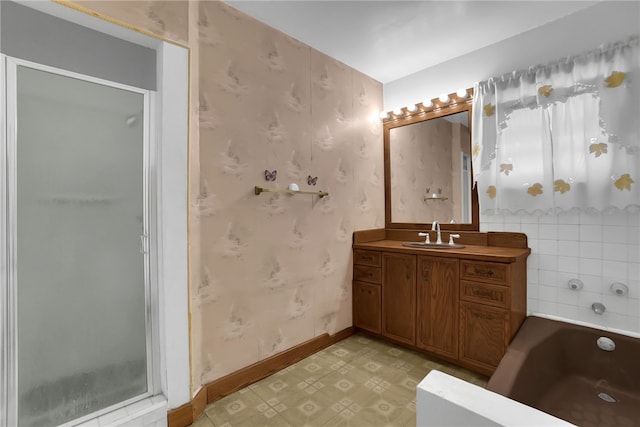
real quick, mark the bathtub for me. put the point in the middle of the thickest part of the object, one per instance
(559, 368)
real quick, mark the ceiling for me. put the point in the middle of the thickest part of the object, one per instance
(388, 40)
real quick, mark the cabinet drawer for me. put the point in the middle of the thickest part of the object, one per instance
(363, 257)
(488, 272)
(497, 296)
(365, 273)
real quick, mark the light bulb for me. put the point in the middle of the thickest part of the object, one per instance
(383, 114)
(462, 93)
(444, 98)
(397, 111)
(427, 104)
(412, 109)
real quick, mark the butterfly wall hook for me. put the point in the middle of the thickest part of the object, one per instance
(312, 180)
(270, 176)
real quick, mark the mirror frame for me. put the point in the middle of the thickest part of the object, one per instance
(421, 113)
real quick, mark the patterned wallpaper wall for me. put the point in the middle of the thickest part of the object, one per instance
(269, 271)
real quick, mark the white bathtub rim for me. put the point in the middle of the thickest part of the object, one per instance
(473, 404)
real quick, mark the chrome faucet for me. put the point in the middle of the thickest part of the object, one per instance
(598, 307)
(436, 227)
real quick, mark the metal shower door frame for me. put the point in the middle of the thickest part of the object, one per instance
(8, 236)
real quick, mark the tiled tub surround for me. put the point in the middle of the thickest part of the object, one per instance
(598, 249)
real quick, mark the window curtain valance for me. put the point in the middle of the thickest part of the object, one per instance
(561, 137)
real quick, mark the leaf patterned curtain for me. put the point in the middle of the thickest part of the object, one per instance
(561, 137)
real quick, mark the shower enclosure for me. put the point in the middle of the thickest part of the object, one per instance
(76, 322)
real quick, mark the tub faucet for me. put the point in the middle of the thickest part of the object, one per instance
(436, 227)
(598, 307)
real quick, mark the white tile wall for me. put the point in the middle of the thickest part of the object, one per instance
(598, 249)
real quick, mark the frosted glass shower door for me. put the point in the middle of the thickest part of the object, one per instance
(80, 259)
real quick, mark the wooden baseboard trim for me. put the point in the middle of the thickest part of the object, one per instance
(186, 414)
(181, 416)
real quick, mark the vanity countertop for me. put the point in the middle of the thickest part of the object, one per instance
(474, 252)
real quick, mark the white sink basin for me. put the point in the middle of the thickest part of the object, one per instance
(423, 245)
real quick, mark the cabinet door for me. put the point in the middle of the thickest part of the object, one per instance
(366, 306)
(437, 309)
(399, 297)
(484, 335)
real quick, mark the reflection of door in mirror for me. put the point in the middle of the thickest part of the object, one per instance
(430, 170)
(465, 184)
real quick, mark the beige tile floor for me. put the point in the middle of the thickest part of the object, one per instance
(359, 381)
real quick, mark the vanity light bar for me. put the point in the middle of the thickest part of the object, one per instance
(461, 96)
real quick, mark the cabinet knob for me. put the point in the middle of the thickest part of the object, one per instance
(425, 273)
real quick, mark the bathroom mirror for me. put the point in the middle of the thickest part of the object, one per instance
(428, 177)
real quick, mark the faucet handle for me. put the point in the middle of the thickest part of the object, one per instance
(451, 236)
(426, 236)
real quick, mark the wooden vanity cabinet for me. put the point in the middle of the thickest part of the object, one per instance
(399, 297)
(463, 306)
(437, 305)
